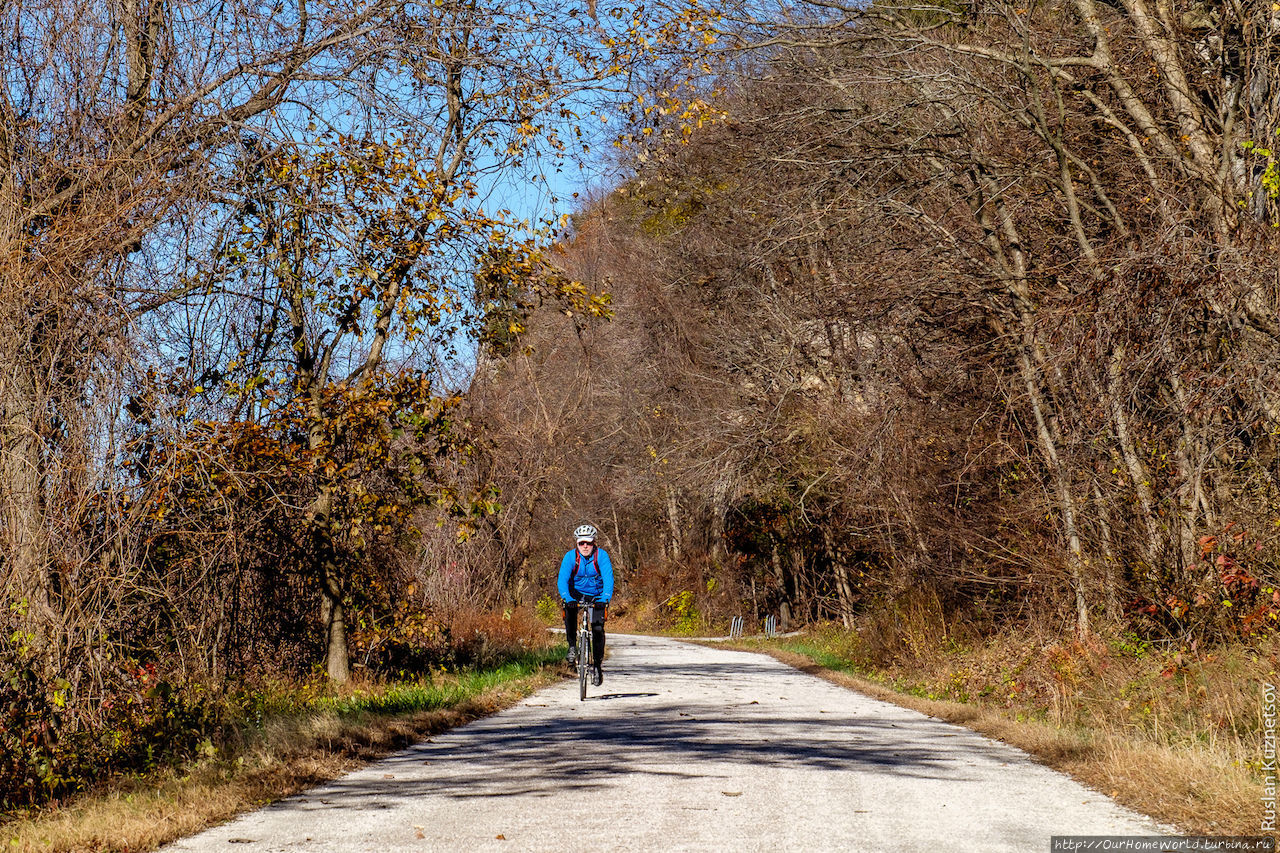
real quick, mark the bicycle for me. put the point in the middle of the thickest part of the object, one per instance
(586, 611)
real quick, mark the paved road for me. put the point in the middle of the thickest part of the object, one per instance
(690, 748)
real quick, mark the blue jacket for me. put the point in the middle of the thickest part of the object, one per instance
(587, 581)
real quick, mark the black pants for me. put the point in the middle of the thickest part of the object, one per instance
(597, 629)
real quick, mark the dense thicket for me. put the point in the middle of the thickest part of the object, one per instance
(970, 301)
(237, 247)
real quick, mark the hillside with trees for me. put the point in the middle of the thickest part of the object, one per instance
(975, 301)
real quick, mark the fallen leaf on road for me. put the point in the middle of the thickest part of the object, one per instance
(732, 793)
(500, 837)
(239, 840)
(388, 776)
(418, 832)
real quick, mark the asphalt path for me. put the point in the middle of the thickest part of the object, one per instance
(686, 747)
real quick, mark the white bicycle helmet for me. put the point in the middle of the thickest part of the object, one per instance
(585, 533)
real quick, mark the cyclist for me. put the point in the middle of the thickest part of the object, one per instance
(586, 572)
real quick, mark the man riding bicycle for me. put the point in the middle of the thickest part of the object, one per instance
(586, 572)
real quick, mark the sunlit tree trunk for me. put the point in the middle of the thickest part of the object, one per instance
(720, 490)
(840, 569)
(1138, 473)
(1066, 501)
(1111, 564)
(329, 577)
(674, 538)
(25, 554)
(1006, 246)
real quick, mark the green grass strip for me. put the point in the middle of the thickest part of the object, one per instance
(433, 692)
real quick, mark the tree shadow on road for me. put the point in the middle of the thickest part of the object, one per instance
(663, 735)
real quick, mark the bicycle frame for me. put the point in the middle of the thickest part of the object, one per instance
(586, 612)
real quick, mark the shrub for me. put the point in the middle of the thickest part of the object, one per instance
(548, 609)
(481, 639)
(51, 745)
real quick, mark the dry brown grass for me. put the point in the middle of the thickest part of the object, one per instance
(142, 814)
(1180, 776)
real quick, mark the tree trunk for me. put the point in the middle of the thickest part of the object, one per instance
(844, 592)
(337, 660)
(1111, 580)
(805, 596)
(720, 490)
(673, 525)
(332, 612)
(620, 561)
(1186, 456)
(1137, 470)
(1066, 503)
(25, 554)
(784, 583)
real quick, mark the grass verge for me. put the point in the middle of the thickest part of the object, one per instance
(296, 746)
(1182, 743)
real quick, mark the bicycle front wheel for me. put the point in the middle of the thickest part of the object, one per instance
(584, 658)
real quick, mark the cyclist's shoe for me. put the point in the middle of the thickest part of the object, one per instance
(572, 657)
(597, 675)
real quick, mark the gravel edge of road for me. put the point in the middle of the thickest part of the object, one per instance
(1058, 749)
